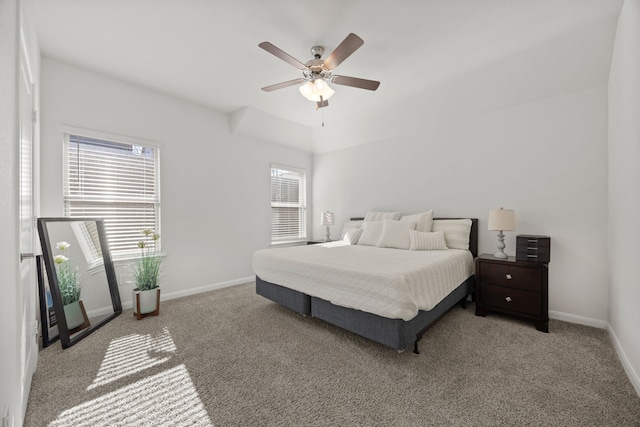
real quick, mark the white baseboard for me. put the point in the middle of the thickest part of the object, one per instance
(198, 290)
(30, 369)
(631, 373)
(580, 320)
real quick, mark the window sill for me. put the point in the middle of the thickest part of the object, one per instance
(123, 260)
(288, 243)
(95, 267)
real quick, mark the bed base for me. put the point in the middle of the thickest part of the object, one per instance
(293, 300)
(394, 333)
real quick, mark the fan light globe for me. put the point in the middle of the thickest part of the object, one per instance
(306, 90)
(313, 90)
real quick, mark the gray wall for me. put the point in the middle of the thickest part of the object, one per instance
(528, 132)
(215, 197)
(624, 197)
(547, 160)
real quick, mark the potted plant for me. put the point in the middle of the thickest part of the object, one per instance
(70, 290)
(146, 295)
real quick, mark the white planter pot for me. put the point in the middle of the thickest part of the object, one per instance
(149, 301)
(73, 314)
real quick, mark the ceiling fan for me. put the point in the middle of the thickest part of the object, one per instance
(318, 72)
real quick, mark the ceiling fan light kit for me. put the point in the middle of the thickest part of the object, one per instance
(317, 90)
(317, 73)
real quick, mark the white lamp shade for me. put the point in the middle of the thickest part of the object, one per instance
(327, 218)
(502, 219)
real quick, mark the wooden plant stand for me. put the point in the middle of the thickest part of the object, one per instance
(86, 323)
(139, 315)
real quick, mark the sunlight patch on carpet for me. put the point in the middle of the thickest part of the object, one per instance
(133, 353)
(166, 398)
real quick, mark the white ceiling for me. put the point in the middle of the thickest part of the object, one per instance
(206, 51)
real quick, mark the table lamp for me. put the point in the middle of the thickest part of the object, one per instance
(501, 220)
(327, 220)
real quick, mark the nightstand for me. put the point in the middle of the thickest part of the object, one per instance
(517, 288)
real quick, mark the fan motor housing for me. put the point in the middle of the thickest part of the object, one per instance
(316, 65)
(317, 69)
(317, 52)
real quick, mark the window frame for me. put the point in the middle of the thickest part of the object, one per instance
(303, 205)
(66, 132)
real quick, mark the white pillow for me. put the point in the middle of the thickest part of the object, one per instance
(352, 235)
(421, 241)
(351, 225)
(395, 234)
(371, 231)
(381, 216)
(424, 220)
(456, 232)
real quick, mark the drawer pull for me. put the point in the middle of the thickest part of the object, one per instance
(508, 299)
(531, 248)
(508, 276)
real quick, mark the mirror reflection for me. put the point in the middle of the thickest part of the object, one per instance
(81, 278)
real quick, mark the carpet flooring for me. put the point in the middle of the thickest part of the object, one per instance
(230, 357)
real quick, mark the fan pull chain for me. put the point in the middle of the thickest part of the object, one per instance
(318, 106)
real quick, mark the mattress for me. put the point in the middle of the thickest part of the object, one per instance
(391, 283)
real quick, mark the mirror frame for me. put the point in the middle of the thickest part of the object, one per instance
(63, 332)
(43, 282)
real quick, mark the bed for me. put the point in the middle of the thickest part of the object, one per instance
(389, 295)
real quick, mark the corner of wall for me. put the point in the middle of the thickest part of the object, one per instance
(626, 364)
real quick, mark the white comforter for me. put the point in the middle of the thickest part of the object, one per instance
(392, 283)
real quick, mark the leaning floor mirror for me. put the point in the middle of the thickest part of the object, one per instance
(82, 283)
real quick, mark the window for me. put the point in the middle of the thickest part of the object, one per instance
(288, 204)
(116, 181)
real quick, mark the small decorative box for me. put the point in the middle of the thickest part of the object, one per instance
(533, 248)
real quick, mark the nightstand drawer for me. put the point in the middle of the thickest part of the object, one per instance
(511, 299)
(511, 276)
(532, 255)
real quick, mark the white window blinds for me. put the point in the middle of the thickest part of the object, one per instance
(288, 204)
(115, 181)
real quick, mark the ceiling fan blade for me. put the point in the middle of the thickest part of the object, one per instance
(283, 85)
(349, 45)
(282, 55)
(356, 82)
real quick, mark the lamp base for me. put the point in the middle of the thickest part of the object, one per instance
(328, 237)
(500, 252)
(501, 255)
